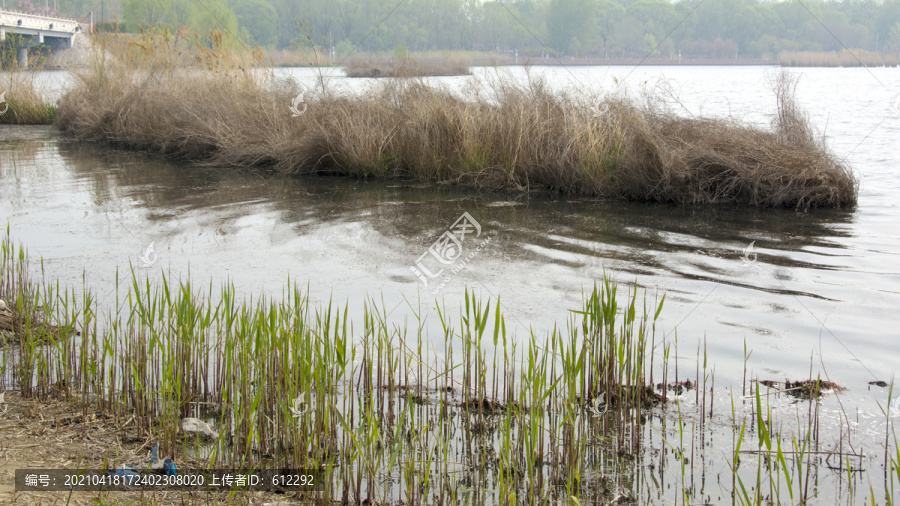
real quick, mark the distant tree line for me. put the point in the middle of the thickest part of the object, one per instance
(613, 28)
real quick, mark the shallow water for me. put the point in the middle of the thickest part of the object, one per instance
(819, 294)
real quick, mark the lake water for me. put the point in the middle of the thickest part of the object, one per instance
(820, 292)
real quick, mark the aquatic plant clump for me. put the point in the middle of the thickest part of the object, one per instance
(499, 134)
(460, 412)
(25, 321)
(384, 415)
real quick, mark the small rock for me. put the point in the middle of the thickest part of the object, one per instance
(197, 427)
(879, 383)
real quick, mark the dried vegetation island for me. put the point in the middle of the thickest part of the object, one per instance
(219, 106)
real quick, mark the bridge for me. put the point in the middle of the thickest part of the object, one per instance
(56, 33)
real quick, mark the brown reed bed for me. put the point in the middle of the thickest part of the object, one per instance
(500, 135)
(854, 58)
(406, 67)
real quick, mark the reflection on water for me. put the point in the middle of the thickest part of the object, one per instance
(86, 207)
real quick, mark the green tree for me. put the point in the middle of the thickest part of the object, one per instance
(147, 12)
(572, 25)
(888, 17)
(211, 14)
(258, 17)
(609, 14)
(622, 27)
(215, 15)
(893, 42)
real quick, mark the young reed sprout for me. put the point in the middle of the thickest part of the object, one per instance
(387, 412)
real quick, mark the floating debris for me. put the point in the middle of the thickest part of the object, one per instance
(807, 389)
(130, 475)
(803, 389)
(485, 405)
(678, 387)
(197, 427)
(157, 465)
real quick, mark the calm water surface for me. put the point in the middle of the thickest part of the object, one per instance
(822, 295)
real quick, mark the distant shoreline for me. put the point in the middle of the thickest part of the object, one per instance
(621, 63)
(633, 62)
(604, 62)
(685, 62)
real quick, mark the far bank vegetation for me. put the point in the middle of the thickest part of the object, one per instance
(855, 58)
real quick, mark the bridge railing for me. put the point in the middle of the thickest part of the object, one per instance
(34, 22)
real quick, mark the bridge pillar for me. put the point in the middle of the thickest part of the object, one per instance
(22, 53)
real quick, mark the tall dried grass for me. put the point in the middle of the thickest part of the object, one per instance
(25, 99)
(503, 135)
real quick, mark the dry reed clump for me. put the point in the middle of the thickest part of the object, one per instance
(25, 99)
(711, 161)
(407, 67)
(499, 135)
